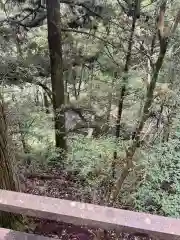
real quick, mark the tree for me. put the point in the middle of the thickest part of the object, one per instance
(125, 78)
(8, 178)
(164, 37)
(55, 51)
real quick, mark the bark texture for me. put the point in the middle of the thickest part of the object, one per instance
(8, 179)
(55, 51)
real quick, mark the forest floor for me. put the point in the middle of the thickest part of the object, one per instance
(65, 186)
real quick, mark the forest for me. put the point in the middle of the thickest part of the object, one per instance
(89, 102)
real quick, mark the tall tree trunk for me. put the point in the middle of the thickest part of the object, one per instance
(124, 83)
(55, 50)
(8, 179)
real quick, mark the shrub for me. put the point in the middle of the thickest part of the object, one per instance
(92, 158)
(159, 192)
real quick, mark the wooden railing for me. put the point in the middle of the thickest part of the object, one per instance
(85, 214)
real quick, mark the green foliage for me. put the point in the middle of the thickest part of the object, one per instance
(159, 192)
(40, 159)
(92, 158)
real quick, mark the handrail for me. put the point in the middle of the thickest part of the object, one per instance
(89, 214)
(7, 234)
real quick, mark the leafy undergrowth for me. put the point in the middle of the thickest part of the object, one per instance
(159, 192)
